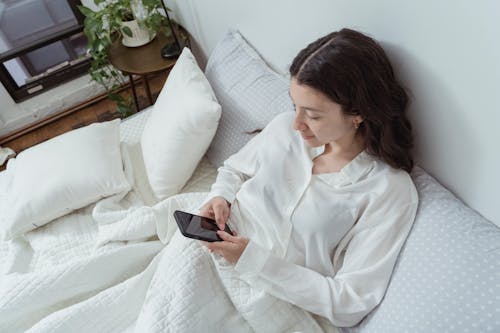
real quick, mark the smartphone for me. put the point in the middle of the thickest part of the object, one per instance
(198, 227)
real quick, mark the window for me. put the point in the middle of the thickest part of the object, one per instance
(41, 45)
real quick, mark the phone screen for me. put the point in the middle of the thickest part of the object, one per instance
(198, 227)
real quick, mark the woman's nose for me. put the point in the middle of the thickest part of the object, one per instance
(298, 124)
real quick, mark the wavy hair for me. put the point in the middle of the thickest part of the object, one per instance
(353, 70)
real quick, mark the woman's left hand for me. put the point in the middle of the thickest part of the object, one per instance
(231, 247)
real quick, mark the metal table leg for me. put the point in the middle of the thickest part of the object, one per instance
(132, 84)
(148, 89)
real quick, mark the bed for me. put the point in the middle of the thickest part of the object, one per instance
(106, 263)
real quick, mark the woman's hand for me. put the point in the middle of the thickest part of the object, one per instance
(230, 248)
(217, 208)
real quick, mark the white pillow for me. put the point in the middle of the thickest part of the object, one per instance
(181, 126)
(249, 92)
(447, 272)
(60, 175)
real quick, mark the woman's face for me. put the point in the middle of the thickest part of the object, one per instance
(319, 119)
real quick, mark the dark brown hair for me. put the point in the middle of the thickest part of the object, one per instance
(353, 70)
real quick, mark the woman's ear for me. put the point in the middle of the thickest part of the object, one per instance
(358, 119)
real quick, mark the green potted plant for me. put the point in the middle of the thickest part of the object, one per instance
(134, 23)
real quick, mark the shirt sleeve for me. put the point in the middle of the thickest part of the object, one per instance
(245, 163)
(365, 268)
(237, 169)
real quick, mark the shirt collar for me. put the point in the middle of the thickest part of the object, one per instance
(316, 151)
(358, 167)
(351, 173)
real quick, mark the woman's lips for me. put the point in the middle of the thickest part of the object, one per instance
(307, 137)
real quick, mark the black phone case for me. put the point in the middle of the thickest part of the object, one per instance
(188, 235)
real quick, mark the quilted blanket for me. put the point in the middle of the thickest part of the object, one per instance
(120, 266)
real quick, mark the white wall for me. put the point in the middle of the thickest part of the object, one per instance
(446, 52)
(15, 116)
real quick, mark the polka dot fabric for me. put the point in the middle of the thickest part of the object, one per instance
(250, 94)
(131, 128)
(447, 278)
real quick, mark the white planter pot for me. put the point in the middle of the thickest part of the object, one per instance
(140, 36)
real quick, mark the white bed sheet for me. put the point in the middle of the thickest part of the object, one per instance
(83, 241)
(75, 234)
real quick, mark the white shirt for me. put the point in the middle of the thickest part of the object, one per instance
(326, 243)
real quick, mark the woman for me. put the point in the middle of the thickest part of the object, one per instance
(322, 198)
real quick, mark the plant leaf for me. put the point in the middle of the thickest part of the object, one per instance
(86, 11)
(124, 109)
(115, 97)
(127, 31)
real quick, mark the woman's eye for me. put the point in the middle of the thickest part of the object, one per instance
(313, 117)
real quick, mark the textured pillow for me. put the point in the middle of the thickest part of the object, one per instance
(250, 94)
(60, 175)
(446, 277)
(181, 126)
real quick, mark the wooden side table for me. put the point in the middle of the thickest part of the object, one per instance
(143, 61)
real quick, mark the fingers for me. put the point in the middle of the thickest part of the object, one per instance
(221, 212)
(218, 209)
(207, 211)
(231, 247)
(226, 236)
(216, 247)
(220, 246)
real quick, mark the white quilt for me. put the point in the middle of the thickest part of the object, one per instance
(120, 265)
(131, 281)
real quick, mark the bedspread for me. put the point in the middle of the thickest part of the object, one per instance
(127, 269)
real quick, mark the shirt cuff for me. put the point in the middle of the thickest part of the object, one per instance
(253, 259)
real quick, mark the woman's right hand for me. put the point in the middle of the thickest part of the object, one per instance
(217, 208)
